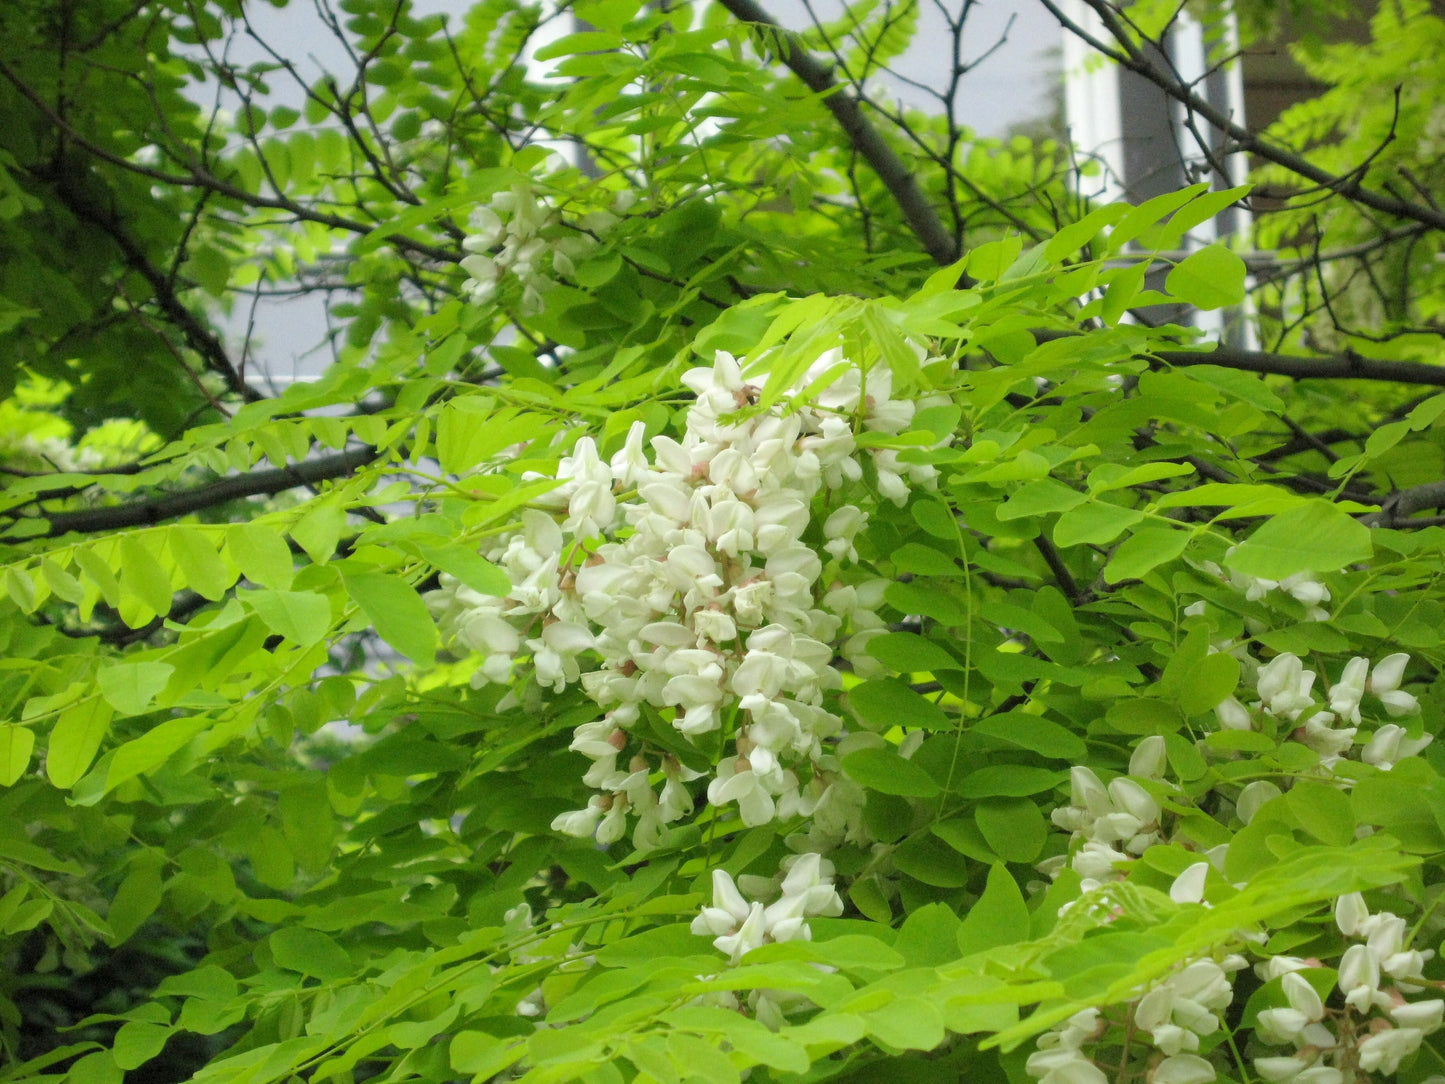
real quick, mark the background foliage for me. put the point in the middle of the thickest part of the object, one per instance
(292, 768)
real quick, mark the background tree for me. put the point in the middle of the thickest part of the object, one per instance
(974, 679)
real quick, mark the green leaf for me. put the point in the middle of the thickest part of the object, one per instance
(1013, 827)
(885, 703)
(135, 900)
(885, 771)
(16, 744)
(1145, 549)
(927, 859)
(199, 562)
(470, 568)
(1313, 537)
(397, 613)
(131, 687)
(261, 554)
(908, 1023)
(1040, 498)
(78, 734)
(483, 1056)
(142, 578)
(137, 1042)
(1000, 917)
(302, 617)
(1094, 523)
(930, 600)
(1027, 731)
(318, 531)
(310, 952)
(1323, 811)
(1211, 278)
(1208, 683)
(909, 653)
(1007, 780)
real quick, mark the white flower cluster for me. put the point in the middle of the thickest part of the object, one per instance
(1285, 688)
(1173, 1015)
(1374, 1030)
(510, 235)
(737, 925)
(1060, 1057)
(678, 591)
(1303, 587)
(1110, 824)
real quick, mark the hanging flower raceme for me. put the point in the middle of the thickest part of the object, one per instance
(673, 580)
(1377, 1025)
(515, 233)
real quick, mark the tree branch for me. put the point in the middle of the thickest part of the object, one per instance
(1346, 366)
(895, 175)
(1130, 57)
(1406, 502)
(153, 510)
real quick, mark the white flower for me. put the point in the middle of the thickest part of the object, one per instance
(1346, 694)
(737, 782)
(1351, 913)
(841, 528)
(1284, 686)
(1360, 979)
(1426, 1016)
(1188, 887)
(1389, 745)
(1148, 760)
(1388, 673)
(1383, 1051)
(1182, 1069)
(1279, 1069)
(728, 911)
(1062, 1065)
(1233, 715)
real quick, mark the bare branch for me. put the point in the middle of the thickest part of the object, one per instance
(891, 170)
(1134, 59)
(154, 510)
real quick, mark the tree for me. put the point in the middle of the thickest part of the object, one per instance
(758, 589)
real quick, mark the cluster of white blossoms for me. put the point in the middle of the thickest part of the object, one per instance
(738, 925)
(1303, 587)
(1163, 1035)
(1110, 825)
(1370, 1026)
(1375, 1027)
(510, 235)
(1286, 691)
(1172, 1016)
(675, 586)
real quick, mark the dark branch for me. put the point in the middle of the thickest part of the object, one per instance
(1346, 366)
(1406, 502)
(154, 510)
(1129, 56)
(895, 175)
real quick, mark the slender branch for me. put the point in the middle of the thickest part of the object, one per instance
(153, 510)
(1345, 366)
(1130, 57)
(199, 177)
(197, 336)
(1406, 502)
(922, 219)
